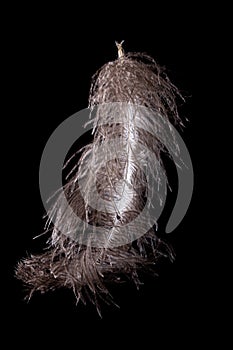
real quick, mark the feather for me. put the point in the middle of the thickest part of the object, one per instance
(131, 104)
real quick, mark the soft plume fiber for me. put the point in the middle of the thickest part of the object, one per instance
(133, 79)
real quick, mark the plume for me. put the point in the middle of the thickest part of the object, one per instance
(131, 103)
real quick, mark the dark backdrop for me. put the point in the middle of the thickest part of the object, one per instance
(53, 57)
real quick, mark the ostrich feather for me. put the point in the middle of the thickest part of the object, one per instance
(85, 255)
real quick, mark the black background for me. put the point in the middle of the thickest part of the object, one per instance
(53, 56)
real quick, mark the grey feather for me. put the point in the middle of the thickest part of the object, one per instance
(87, 266)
